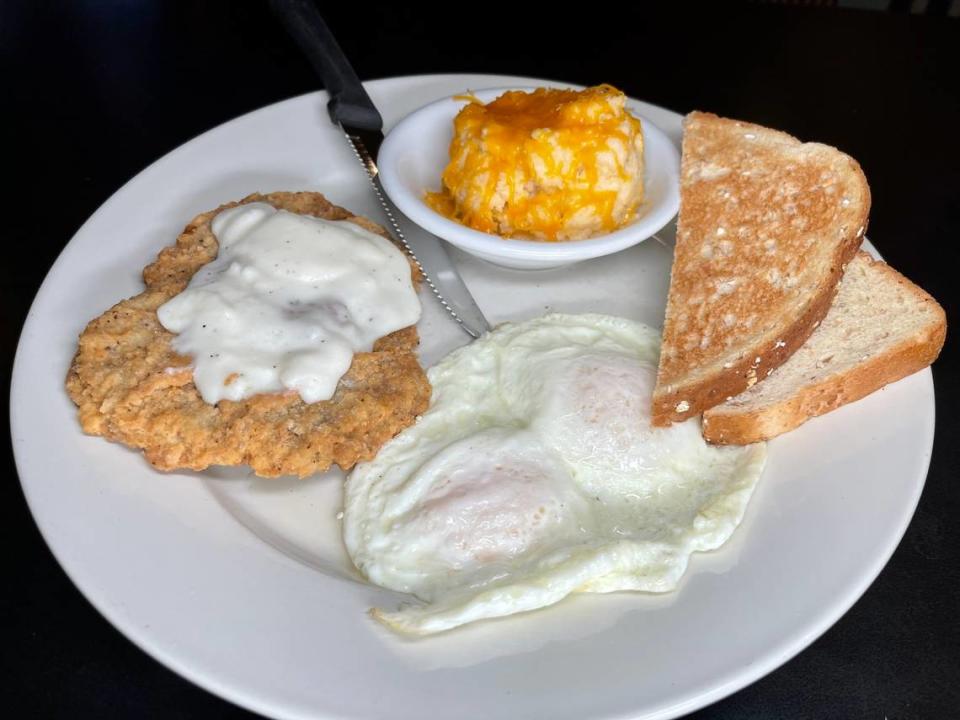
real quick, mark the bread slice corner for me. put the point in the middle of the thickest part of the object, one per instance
(880, 328)
(767, 224)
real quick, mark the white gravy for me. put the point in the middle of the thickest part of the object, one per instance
(286, 303)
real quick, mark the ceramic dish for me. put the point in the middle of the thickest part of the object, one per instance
(415, 152)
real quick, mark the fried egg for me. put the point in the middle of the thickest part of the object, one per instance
(536, 473)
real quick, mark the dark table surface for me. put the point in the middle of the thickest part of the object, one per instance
(95, 91)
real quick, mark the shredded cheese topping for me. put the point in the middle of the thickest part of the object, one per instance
(548, 165)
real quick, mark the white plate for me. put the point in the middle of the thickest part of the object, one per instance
(242, 585)
(416, 150)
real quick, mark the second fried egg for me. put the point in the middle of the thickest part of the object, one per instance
(535, 474)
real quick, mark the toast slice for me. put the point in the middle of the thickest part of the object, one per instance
(880, 328)
(766, 226)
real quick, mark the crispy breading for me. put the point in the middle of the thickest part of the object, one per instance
(131, 387)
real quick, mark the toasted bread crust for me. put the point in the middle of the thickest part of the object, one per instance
(730, 426)
(814, 400)
(689, 383)
(757, 364)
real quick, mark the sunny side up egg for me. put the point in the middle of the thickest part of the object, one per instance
(535, 474)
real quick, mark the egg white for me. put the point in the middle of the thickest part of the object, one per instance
(535, 473)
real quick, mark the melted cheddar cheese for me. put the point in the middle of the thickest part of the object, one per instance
(547, 165)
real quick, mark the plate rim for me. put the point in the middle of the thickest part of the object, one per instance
(782, 652)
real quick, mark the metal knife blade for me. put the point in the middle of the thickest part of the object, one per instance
(354, 112)
(455, 298)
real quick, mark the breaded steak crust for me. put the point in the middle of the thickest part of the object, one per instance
(131, 387)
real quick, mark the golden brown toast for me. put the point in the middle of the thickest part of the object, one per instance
(767, 225)
(880, 328)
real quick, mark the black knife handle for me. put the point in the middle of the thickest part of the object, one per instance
(349, 103)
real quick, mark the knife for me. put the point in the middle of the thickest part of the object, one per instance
(352, 109)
